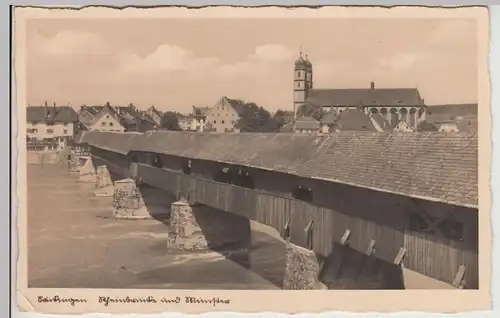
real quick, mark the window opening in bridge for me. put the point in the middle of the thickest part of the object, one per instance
(303, 194)
(186, 169)
(242, 178)
(450, 229)
(157, 162)
(223, 175)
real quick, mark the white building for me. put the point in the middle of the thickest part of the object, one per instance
(199, 116)
(50, 127)
(224, 115)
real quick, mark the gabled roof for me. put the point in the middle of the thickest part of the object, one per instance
(426, 126)
(55, 114)
(237, 105)
(200, 111)
(134, 120)
(447, 164)
(383, 123)
(119, 142)
(154, 110)
(365, 97)
(405, 123)
(330, 118)
(453, 110)
(93, 109)
(354, 120)
(307, 123)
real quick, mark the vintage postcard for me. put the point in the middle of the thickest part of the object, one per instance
(177, 159)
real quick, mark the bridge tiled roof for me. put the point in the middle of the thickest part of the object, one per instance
(428, 165)
(120, 142)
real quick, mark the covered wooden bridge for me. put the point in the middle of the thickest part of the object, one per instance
(406, 199)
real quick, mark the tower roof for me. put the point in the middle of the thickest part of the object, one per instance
(308, 63)
(301, 63)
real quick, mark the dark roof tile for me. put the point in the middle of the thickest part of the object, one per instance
(365, 96)
(354, 120)
(306, 123)
(57, 114)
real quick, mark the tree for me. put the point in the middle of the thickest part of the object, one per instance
(308, 110)
(169, 121)
(426, 126)
(282, 117)
(254, 118)
(208, 127)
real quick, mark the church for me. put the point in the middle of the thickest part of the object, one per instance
(394, 104)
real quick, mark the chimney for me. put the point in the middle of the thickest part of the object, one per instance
(372, 85)
(46, 110)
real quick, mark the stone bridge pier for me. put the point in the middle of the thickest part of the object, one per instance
(190, 226)
(86, 169)
(132, 200)
(195, 227)
(344, 268)
(302, 268)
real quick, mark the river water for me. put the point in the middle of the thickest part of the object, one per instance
(73, 243)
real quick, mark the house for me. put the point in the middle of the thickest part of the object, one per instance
(199, 116)
(393, 104)
(185, 122)
(426, 126)
(135, 120)
(155, 115)
(328, 121)
(452, 111)
(101, 118)
(446, 126)
(115, 118)
(354, 120)
(403, 126)
(224, 115)
(306, 125)
(51, 128)
(334, 121)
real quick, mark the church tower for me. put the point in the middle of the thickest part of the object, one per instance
(300, 83)
(309, 74)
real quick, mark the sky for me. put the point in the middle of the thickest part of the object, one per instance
(177, 63)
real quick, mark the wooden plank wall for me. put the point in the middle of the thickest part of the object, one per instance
(275, 210)
(424, 255)
(429, 256)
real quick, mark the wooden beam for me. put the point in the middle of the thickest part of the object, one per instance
(286, 229)
(431, 225)
(371, 248)
(345, 238)
(308, 231)
(459, 277)
(401, 255)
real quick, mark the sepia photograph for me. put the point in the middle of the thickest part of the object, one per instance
(263, 149)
